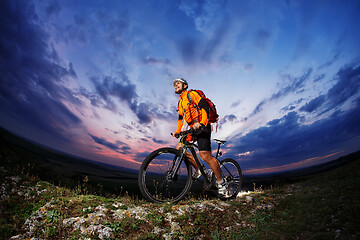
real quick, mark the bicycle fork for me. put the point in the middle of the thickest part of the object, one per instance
(176, 166)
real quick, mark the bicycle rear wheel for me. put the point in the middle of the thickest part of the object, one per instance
(157, 181)
(231, 172)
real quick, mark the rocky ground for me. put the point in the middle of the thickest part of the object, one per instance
(39, 210)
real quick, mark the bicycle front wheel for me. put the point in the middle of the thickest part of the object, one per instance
(158, 180)
(231, 172)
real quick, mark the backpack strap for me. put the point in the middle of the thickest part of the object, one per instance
(189, 97)
(191, 100)
(193, 103)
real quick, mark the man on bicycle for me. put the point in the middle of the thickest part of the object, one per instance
(197, 118)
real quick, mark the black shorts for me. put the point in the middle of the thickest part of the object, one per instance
(203, 139)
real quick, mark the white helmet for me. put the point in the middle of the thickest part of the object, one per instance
(180, 80)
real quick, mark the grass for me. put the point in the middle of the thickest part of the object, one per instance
(325, 206)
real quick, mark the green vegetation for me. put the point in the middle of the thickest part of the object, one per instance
(320, 207)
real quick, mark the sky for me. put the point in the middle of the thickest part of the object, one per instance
(94, 78)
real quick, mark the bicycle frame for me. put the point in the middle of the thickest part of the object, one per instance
(191, 147)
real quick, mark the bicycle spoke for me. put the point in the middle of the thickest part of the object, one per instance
(231, 171)
(159, 182)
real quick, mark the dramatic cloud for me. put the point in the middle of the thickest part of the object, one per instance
(259, 107)
(119, 146)
(287, 140)
(121, 89)
(329, 63)
(107, 89)
(289, 85)
(213, 26)
(313, 104)
(215, 41)
(33, 80)
(319, 78)
(159, 141)
(143, 112)
(228, 118)
(346, 87)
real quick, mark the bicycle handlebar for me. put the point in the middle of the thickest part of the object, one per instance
(186, 132)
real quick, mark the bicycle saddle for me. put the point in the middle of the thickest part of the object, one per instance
(220, 141)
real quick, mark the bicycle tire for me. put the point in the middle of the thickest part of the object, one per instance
(232, 173)
(153, 178)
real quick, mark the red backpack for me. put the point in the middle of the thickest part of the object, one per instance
(213, 115)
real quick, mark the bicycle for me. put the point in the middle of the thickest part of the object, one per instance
(166, 174)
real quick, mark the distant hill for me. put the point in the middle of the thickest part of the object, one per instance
(296, 175)
(58, 167)
(310, 170)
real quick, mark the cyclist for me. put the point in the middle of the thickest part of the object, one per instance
(197, 118)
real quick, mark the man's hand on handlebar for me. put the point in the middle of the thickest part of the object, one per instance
(175, 135)
(198, 128)
(195, 129)
(197, 125)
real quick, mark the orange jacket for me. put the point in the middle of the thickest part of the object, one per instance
(189, 113)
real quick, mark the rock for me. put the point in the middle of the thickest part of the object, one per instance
(175, 227)
(249, 199)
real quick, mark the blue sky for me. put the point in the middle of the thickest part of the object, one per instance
(94, 78)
